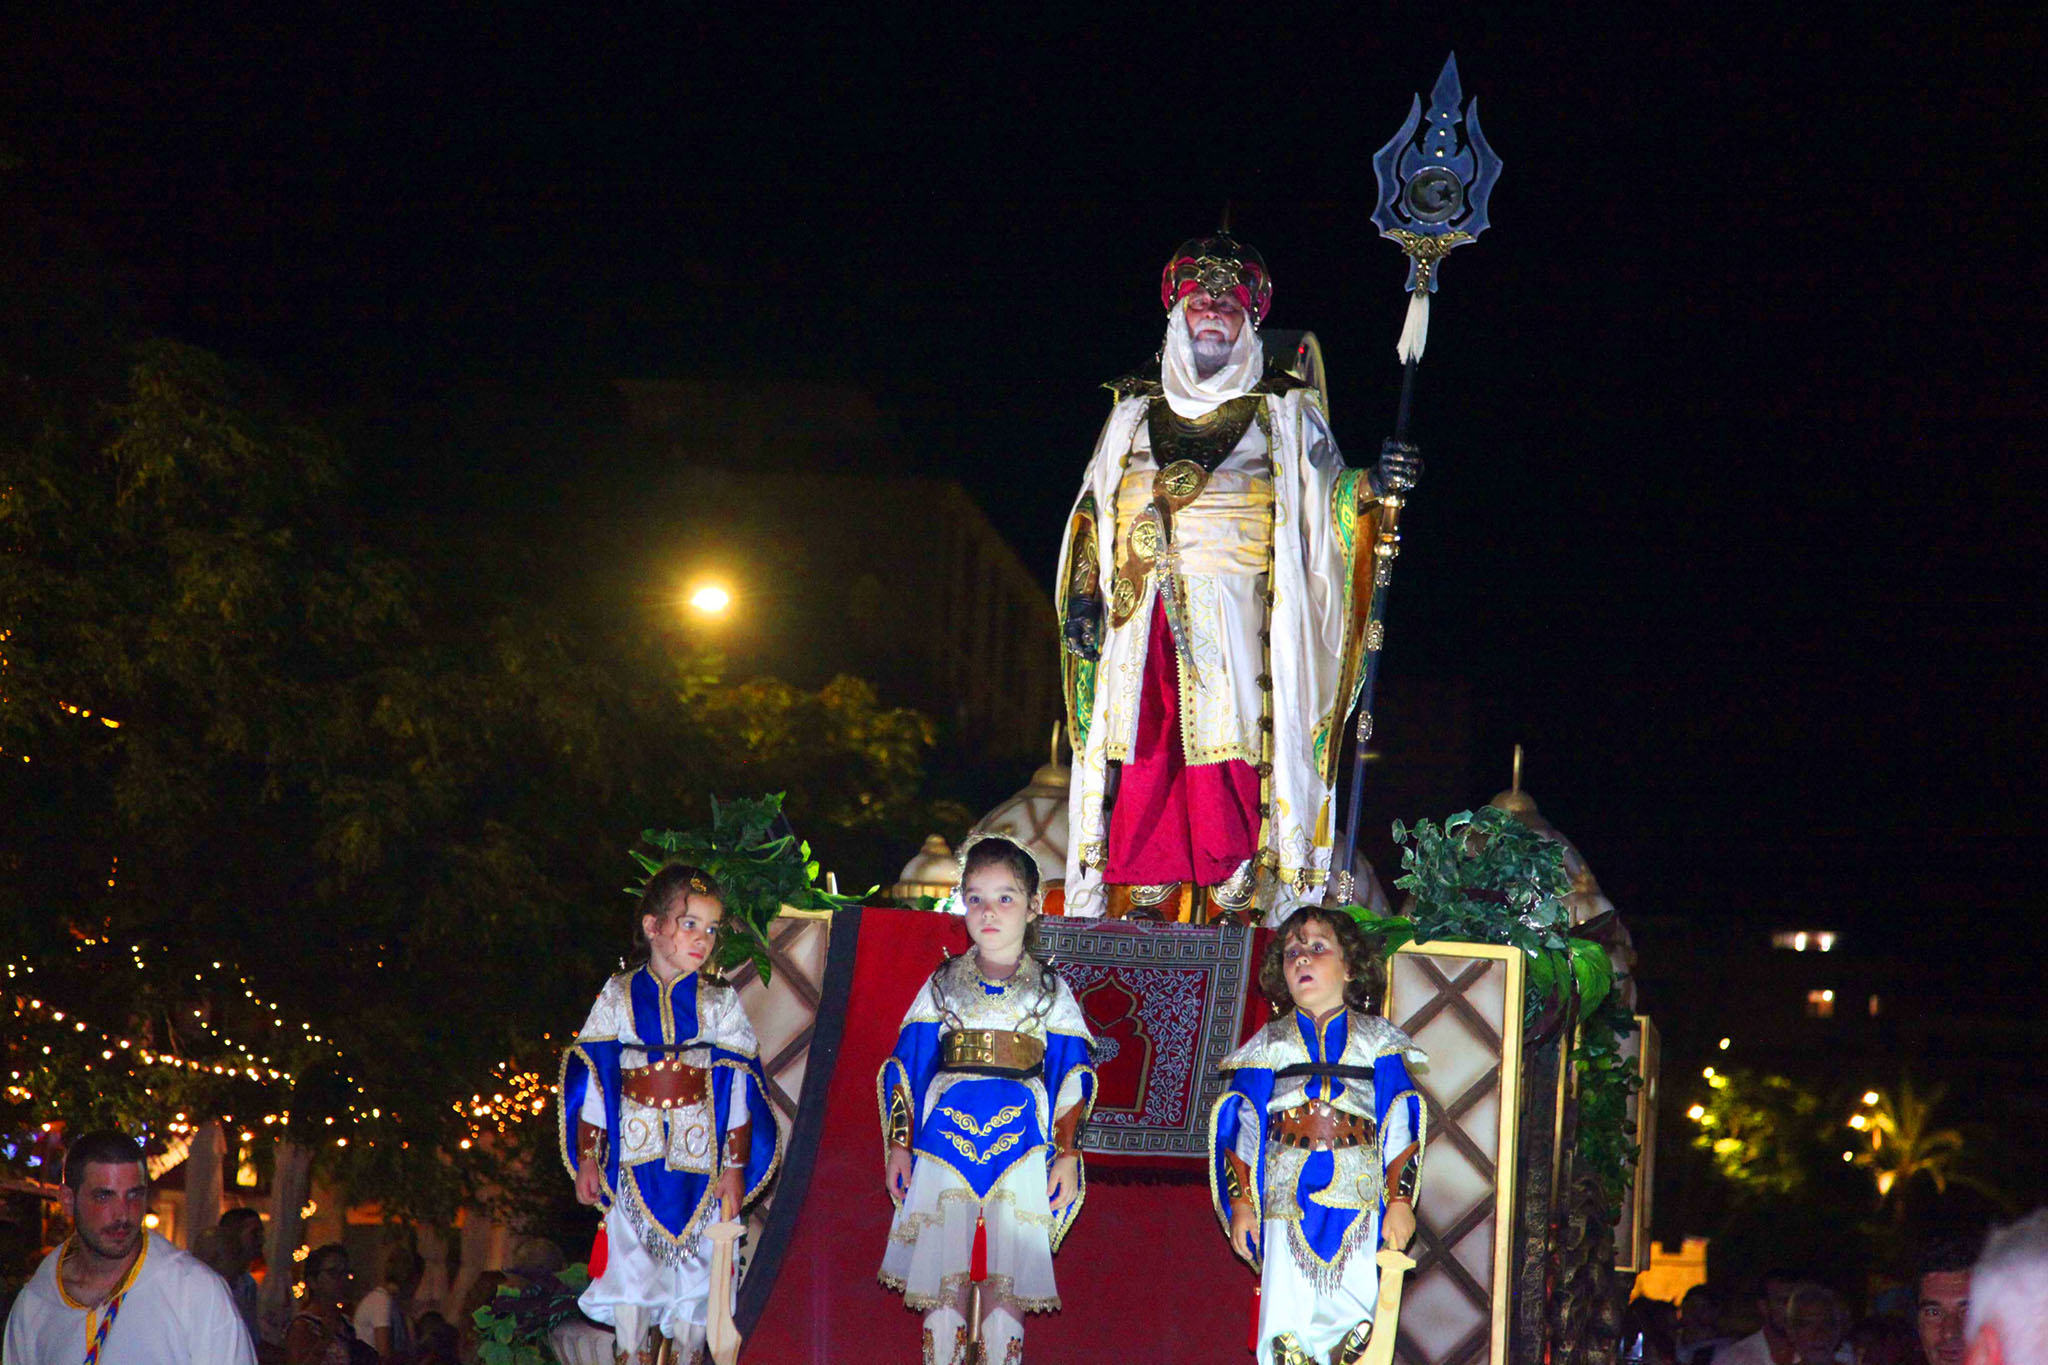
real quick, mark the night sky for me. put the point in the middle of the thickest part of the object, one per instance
(1732, 420)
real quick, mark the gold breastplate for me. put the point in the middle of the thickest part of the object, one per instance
(1205, 441)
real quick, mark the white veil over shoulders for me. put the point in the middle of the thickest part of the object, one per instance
(1191, 397)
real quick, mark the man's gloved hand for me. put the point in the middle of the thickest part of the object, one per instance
(1083, 628)
(1399, 469)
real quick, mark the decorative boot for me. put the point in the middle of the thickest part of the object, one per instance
(1146, 901)
(1230, 900)
(1288, 1350)
(1351, 1350)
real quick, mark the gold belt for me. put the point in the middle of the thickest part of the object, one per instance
(991, 1049)
(1317, 1126)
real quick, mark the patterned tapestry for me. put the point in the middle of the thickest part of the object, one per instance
(1167, 1003)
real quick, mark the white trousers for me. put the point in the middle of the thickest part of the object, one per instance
(637, 1293)
(1289, 1301)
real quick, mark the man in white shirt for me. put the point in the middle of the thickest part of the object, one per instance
(383, 1317)
(1772, 1343)
(115, 1291)
(1699, 1326)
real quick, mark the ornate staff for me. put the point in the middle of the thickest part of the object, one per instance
(1434, 180)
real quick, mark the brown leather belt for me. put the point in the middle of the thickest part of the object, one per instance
(1316, 1126)
(665, 1085)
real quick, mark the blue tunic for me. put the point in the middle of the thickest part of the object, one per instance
(665, 1023)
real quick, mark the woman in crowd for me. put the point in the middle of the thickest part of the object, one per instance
(320, 1332)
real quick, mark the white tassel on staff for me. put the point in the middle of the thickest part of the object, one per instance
(1415, 331)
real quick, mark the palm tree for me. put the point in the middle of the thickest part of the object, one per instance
(1905, 1145)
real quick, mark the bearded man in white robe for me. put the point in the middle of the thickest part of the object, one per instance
(1215, 602)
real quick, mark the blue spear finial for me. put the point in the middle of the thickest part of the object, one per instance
(1433, 185)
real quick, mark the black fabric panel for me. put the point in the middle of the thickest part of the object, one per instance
(795, 1180)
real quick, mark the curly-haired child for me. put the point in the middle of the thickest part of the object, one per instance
(1316, 1147)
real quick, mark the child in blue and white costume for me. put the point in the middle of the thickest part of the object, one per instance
(982, 1104)
(665, 1121)
(1316, 1148)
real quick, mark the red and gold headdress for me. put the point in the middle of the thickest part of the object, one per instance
(1220, 265)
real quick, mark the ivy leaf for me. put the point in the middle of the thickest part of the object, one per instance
(1392, 931)
(1593, 973)
(757, 874)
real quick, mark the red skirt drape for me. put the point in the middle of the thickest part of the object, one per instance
(1175, 821)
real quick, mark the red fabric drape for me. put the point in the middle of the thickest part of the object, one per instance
(1145, 1273)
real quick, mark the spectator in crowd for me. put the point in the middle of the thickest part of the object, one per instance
(1646, 1332)
(1885, 1341)
(535, 1259)
(1816, 1323)
(320, 1332)
(383, 1319)
(208, 1247)
(438, 1342)
(2007, 1320)
(1699, 1326)
(1942, 1299)
(1770, 1344)
(241, 1238)
(481, 1291)
(115, 1291)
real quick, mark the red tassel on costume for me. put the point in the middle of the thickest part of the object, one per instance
(977, 1260)
(1253, 1345)
(600, 1252)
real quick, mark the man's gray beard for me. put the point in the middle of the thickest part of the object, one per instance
(1211, 354)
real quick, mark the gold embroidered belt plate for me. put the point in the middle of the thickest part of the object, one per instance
(997, 1051)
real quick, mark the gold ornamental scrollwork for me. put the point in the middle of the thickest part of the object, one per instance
(1123, 601)
(1180, 483)
(1081, 581)
(1426, 250)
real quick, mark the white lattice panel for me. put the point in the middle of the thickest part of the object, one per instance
(1462, 1003)
(784, 1012)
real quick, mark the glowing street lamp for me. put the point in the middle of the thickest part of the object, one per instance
(709, 599)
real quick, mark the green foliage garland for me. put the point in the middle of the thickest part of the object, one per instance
(513, 1328)
(1485, 877)
(758, 873)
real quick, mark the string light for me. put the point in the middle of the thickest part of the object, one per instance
(241, 1062)
(524, 1095)
(515, 1095)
